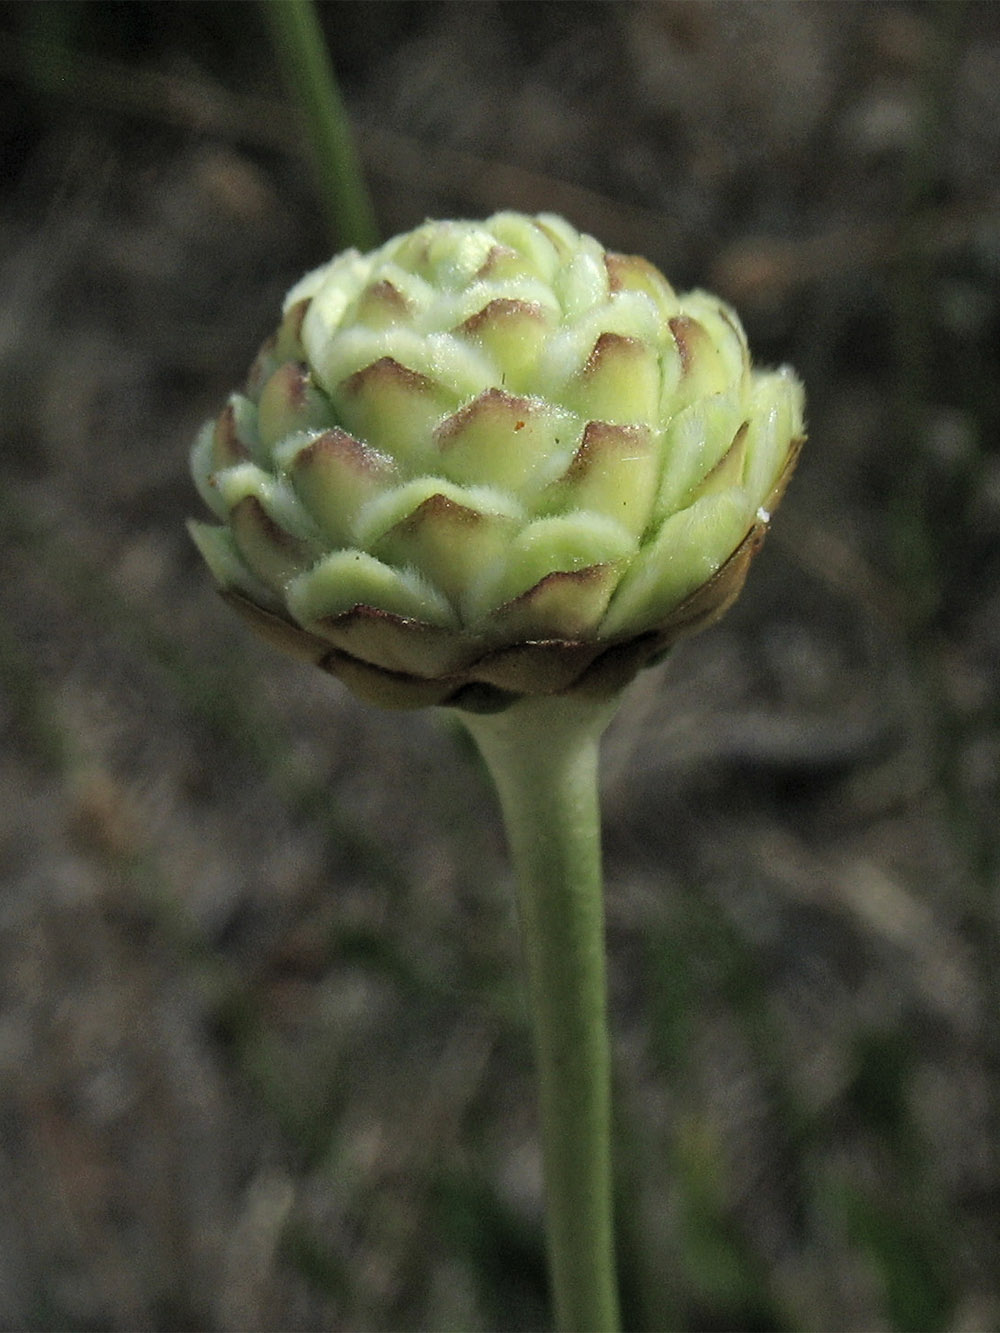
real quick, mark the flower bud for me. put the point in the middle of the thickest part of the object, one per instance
(490, 460)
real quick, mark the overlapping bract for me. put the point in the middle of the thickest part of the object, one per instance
(493, 459)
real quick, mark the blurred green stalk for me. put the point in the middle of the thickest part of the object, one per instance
(301, 47)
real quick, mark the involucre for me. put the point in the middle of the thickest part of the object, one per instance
(491, 460)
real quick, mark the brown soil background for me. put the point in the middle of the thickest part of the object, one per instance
(263, 1057)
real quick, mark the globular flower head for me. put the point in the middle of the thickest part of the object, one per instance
(493, 459)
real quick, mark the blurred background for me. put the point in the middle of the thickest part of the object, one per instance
(264, 1059)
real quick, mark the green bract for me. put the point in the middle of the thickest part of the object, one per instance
(493, 459)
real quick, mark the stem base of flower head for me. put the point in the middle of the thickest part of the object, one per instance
(542, 755)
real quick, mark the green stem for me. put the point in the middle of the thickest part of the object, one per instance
(542, 754)
(301, 46)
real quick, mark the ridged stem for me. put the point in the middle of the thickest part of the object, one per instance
(542, 754)
(301, 46)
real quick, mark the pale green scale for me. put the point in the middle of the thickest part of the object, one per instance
(229, 569)
(333, 483)
(693, 442)
(671, 370)
(459, 366)
(345, 579)
(634, 315)
(245, 422)
(518, 448)
(310, 283)
(620, 384)
(384, 511)
(689, 548)
(726, 332)
(357, 346)
(203, 470)
(453, 365)
(565, 543)
(522, 235)
(617, 478)
(451, 309)
(457, 253)
(568, 240)
(276, 497)
(338, 285)
(777, 417)
(282, 409)
(568, 351)
(417, 291)
(454, 536)
(583, 284)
